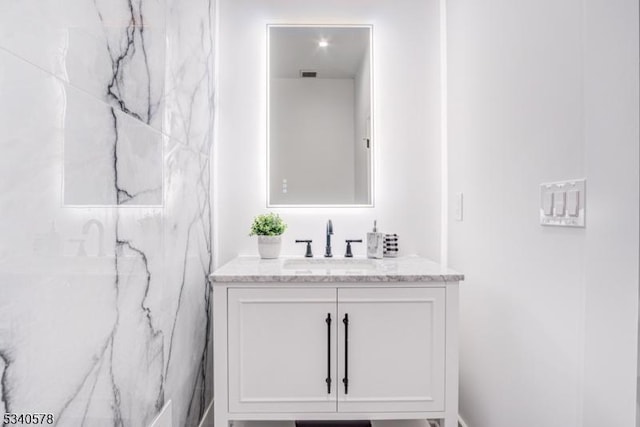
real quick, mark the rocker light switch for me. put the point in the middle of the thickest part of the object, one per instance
(558, 203)
(547, 203)
(573, 203)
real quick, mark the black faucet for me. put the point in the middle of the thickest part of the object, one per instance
(327, 252)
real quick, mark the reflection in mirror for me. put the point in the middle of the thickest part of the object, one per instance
(319, 117)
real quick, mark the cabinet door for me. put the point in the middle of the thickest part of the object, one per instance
(282, 350)
(394, 356)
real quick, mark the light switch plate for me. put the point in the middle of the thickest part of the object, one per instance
(459, 206)
(567, 202)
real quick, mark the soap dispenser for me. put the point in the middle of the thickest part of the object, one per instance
(375, 243)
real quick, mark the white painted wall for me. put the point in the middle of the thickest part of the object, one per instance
(611, 162)
(311, 142)
(548, 315)
(407, 166)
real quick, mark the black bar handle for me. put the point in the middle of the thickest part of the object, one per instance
(328, 379)
(345, 380)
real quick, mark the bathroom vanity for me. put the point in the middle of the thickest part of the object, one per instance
(335, 339)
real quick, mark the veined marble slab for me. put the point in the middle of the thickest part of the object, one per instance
(105, 312)
(404, 269)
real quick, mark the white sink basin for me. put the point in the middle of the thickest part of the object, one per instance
(340, 264)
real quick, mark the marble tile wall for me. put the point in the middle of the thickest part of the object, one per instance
(106, 112)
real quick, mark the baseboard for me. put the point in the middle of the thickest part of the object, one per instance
(164, 418)
(207, 417)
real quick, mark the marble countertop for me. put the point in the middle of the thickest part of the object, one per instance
(300, 269)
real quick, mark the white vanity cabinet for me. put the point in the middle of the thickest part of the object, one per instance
(332, 350)
(336, 349)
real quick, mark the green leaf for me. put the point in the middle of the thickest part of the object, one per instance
(268, 225)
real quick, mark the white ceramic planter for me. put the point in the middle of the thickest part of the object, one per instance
(269, 246)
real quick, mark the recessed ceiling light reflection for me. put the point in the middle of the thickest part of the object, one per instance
(323, 43)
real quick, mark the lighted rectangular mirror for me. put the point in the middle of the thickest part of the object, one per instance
(319, 138)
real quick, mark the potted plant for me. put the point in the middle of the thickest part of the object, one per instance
(268, 227)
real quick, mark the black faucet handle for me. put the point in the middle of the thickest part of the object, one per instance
(349, 254)
(309, 254)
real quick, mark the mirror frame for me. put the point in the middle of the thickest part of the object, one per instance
(371, 128)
